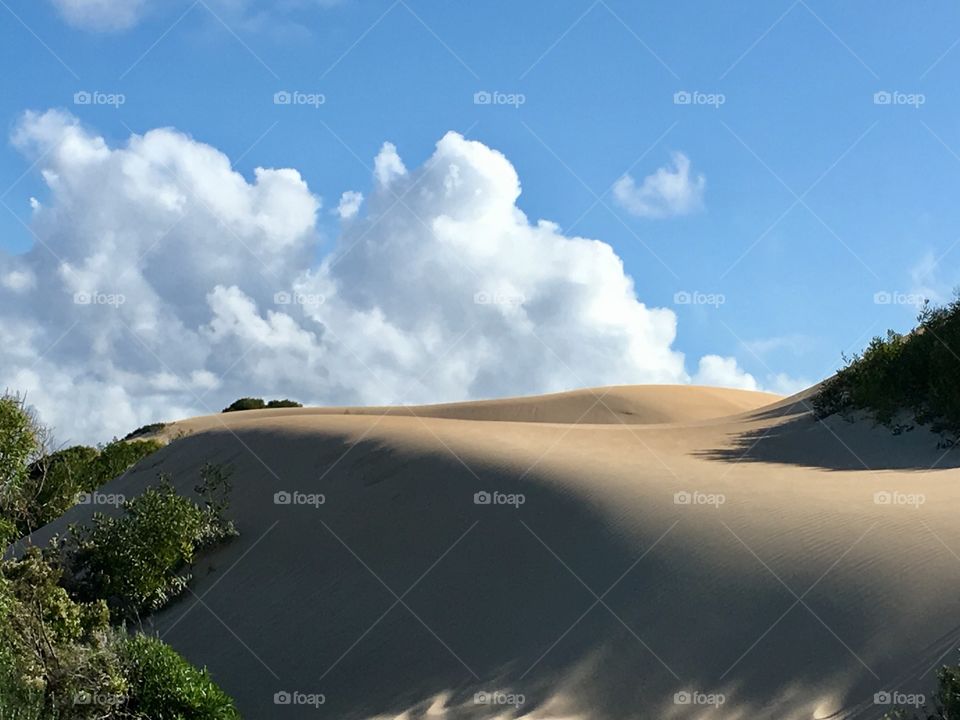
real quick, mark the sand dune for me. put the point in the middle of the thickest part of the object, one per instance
(684, 540)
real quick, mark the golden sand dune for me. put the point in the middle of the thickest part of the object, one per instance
(623, 404)
(644, 565)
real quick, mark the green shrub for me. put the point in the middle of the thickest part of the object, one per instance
(54, 482)
(259, 404)
(246, 404)
(139, 561)
(164, 686)
(60, 659)
(284, 404)
(22, 439)
(917, 373)
(145, 430)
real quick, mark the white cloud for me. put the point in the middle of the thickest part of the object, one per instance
(668, 192)
(724, 372)
(197, 285)
(350, 203)
(388, 166)
(104, 15)
(927, 280)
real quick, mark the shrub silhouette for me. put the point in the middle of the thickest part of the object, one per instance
(917, 373)
(259, 404)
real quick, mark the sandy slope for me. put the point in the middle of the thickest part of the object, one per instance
(600, 596)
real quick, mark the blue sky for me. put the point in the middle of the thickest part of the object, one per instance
(816, 197)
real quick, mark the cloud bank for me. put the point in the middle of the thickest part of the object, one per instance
(164, 284)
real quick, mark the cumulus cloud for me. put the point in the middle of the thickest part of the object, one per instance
(166, 284)
(724, 372)
(350, 203)
(670, 191)
(106, 15)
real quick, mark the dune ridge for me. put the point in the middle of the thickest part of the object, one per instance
(721, 543)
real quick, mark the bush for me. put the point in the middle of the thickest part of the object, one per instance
(145, 430)
(59, 655)
(946, 704)
(246, 404)
(138, 561)
(164, 686)
(918, 373)
(284, 404)
(22, 440)
(259, 404)
(54, 481)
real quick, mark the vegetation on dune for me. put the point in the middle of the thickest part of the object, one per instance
(64, 652)
(139, 561)
(259, 404)
(145, 430)
(945, 705)
(918, 373)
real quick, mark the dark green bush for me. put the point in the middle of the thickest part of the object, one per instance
(139, 561)
(246, 404)
(917, 373)
(259, 404)
(145, 430)
(284, 404)
(164, 686)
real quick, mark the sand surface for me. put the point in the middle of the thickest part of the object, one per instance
(669, 540)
